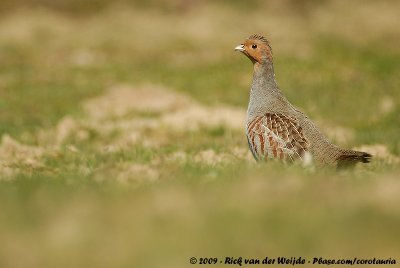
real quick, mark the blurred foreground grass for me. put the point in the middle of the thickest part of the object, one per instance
(122, 141)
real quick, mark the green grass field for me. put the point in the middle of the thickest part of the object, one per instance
(122, 141)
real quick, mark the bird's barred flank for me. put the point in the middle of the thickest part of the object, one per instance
(276, 136)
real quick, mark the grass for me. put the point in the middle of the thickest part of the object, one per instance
(95, 166)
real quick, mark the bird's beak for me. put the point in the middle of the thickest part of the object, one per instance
(239, 48)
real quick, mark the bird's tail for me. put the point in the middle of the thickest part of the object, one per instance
(349, 158)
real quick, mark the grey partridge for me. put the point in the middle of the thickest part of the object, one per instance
(275, 129)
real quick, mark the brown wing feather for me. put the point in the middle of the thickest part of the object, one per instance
(276, 135)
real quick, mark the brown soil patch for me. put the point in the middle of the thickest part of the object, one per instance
(16, 157)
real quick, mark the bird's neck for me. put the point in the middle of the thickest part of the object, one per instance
(264, 74)
(264, 90)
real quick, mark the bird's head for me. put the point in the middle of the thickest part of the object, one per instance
(257, 49)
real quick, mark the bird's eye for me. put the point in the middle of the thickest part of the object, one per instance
(253, 46)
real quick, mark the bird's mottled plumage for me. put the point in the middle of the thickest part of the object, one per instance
(275, 135)
(275, 129)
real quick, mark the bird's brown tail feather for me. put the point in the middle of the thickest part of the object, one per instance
(349, 158)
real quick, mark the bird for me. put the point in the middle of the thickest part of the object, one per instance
(275, 129)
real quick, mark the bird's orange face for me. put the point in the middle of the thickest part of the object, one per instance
(257, 49)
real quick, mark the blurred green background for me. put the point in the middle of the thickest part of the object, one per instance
(122, 140)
